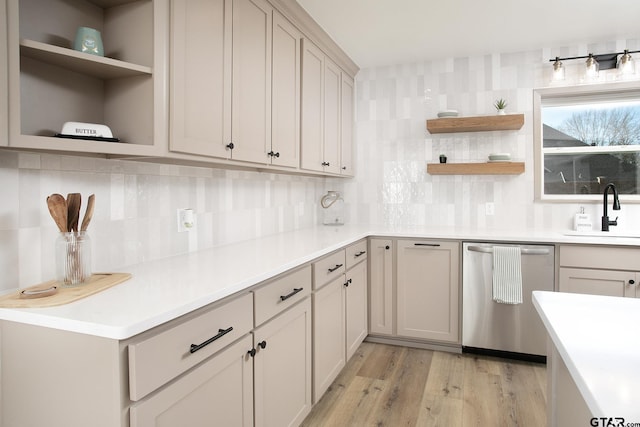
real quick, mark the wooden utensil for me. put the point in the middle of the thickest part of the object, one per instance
(58, 209)
(73, 211)
(88, 214)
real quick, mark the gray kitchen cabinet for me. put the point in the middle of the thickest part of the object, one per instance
(218, 392)
(285, 94)
(381, 286)
(4, 97)
(51, 84)
(347, 93)
(321, 111)
(598, 270)
(282, 368)
(339, 312)
(428, 290)
(221, 78)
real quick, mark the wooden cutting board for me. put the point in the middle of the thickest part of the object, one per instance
(49, 294)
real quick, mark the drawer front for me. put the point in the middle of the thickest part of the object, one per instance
(280, 294)
(162, 357)
(328, 269)
(356, 253)
(611, 258)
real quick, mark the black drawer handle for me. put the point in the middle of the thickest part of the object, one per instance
(220, 334)
(331, 270)
(348, 282)
(632, 282)
(433, 245)
(360, 254)
(286, 297)
(262, 344)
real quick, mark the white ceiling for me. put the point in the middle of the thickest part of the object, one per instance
(384, 32)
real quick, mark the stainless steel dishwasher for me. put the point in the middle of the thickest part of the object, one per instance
(506, 330)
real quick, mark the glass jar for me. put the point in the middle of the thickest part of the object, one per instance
(333, 205)
(73, 258)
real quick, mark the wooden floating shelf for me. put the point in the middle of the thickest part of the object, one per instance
(476, 123)
(490, 168)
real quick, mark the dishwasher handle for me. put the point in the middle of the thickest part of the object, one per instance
(523, 251)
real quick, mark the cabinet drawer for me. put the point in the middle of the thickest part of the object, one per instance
(612, 258)
(282, 293)
(328, 268)
(356, 253)
(165, 355)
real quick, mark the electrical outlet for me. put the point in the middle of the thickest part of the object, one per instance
(490, 209)
(186, 220)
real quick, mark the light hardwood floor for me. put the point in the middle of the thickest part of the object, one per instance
(385, 385)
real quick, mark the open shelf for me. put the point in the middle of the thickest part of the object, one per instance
(490, 168)
(96, 66)
(476, 123)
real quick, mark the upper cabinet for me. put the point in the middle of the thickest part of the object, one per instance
(326, 90)
(4, 99)
(235, 82)
(51, 84)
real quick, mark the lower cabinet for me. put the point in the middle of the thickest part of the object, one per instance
(339, 322)
(418, 297)
(220, 392)
(428, 285)
(282, 368)
(599, 270)
(381, 286)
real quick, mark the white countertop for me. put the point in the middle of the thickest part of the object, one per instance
(598, 340)
(165, 289)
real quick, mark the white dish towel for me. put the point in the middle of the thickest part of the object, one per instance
(507, 275)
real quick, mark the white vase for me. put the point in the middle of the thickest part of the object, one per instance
(502, 112)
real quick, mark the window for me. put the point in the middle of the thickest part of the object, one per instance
(587, 137)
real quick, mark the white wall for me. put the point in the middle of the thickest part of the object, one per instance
(393, 103)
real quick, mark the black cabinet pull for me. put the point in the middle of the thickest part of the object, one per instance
(360, 254)
(344, 168)
(331, 270)
(262, 344)
(433, 245)
(295, 291)
(632, 282)
(273, 154)
(326, 164)
(387, 247)
(348, 282)
(220, 334)
(252, 352)
(230, 146)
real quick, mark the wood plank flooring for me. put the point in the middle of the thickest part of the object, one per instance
(385, 385)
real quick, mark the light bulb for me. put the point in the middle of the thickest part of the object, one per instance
(592, 67)
(558, 70)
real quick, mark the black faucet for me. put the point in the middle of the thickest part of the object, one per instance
(616, 207)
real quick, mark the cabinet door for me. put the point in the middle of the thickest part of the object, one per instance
(200, 112)
(346, 126)
(251, 82)
(428, 289)
(596, 282)
(285, 93)
(218, 392)
(328, 336)
(4, 95)
(283, 368)
(356, 307)
(331, 108)
(311, 148)
(381, 286)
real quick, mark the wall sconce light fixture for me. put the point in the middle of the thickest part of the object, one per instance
(595, 63)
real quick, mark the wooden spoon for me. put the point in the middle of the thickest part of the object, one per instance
(88, 214)
(73, 211)
(58, 209)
